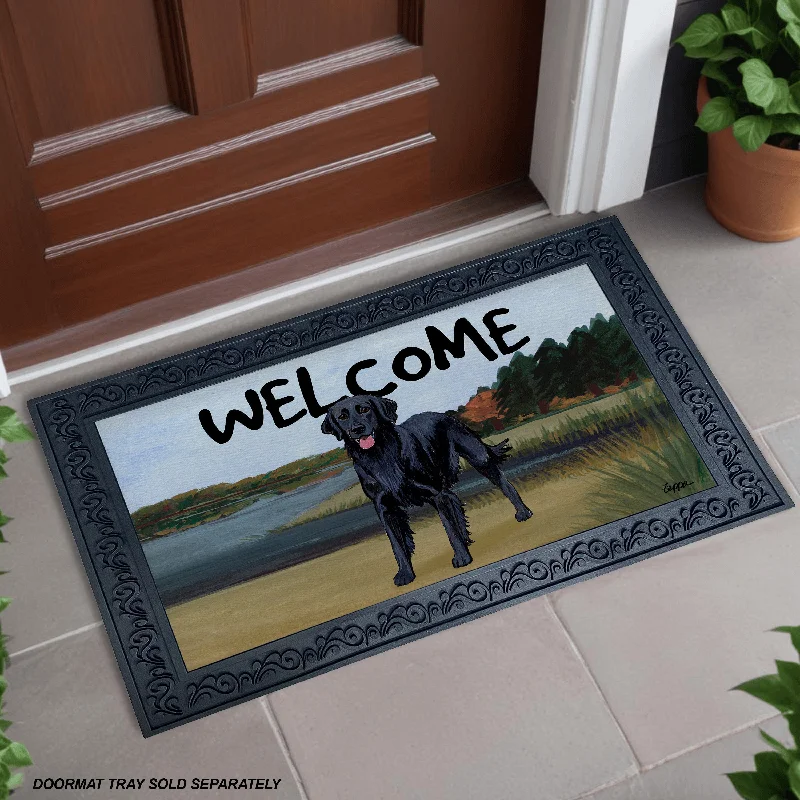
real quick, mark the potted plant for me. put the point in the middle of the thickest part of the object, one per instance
(777, 771)
(13, 755)
(749, 104)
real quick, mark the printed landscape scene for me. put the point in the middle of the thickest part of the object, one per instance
(242, 563)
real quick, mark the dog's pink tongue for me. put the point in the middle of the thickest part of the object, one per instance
(365, 442)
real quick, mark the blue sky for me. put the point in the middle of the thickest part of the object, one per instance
(161, 450)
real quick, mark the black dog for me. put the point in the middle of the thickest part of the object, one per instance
(415, 463)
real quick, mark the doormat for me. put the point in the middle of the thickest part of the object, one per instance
(268, 508)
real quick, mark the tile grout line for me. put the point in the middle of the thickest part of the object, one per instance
(770, 425)
(673, 757)
(283, 744)
(55, 639)
(637, 764)
(712, 740)
(781, 472)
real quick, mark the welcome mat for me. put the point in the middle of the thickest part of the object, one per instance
(264, 509)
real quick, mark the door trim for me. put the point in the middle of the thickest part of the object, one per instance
(602, 68)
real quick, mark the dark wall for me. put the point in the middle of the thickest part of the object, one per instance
(679, 149)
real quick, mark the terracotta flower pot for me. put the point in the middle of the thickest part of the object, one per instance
(756, 195)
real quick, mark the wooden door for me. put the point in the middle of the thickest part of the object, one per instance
(149, 145)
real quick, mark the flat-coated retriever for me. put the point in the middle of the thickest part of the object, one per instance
(414, 463)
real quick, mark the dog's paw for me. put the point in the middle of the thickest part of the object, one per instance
(523, 514)
(404, 577)
(462, 561)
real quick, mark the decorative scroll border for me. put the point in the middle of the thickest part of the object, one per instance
(164, 694)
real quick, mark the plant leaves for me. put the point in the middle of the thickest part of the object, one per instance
(735, 18)
(12, 428)
(758, 81)
(5, 602)
(789, 10)
(729, 53)
(784, 752)
(794, 633)
(789, 673)
(782, 102)
(16, 755)
(717, 114)
(706, 51)
(15, 781)
(794, 727)
(772, 769)
(750, 786)
(794, 778)
(751, 132)
(713, 70)
(768, 688)
(705, 30)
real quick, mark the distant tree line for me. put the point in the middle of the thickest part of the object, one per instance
(593, 357)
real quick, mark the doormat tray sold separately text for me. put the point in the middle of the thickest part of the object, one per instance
(264, 509)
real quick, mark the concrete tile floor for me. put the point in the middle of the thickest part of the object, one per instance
(614, 688)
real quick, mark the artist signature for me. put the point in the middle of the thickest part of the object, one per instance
(671, 488)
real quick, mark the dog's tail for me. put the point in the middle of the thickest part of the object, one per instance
(499, 452)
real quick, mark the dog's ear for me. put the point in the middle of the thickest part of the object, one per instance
(385, 409)
(330, 425)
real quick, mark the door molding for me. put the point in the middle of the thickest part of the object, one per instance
(602, 68)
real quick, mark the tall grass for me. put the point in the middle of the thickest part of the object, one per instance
(638, 473)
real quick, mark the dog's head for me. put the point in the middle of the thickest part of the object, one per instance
(358, 419)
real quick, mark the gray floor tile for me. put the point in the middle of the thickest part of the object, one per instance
(784, 441)
(498, 707)
(739, 300)
(700, 774)
(667, 637)
(46, 579)
(71, 709)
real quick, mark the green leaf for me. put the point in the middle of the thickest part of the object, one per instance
(792, 31)
(772, 769)
(5, 602)
(735, 18)
(794, 633)
(794, 778)
(16, 755)
(705, 30)
(758, 81)
(782, 102)
(15, 781)
(717, 114)
(706, 51)
(12, 428)
(4, 520)
(750, 786)
(794, 727)
(784, 752)
(751, 132)
(789, 10)
(5, 725)
(713, 70)
(768, 688)
(728, 54)
(789, 673)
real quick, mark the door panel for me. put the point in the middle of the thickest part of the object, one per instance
(155, 144)
(289, 32)
(89, 61)
(274, 222)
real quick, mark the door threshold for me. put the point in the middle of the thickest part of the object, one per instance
(327, 265)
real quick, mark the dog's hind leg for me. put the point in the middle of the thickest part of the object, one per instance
(486, 460)
(401, 537)
(452, 515)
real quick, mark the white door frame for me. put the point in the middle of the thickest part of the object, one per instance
(600, 82)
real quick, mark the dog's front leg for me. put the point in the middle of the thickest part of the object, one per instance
(455, 524)
(395, 523)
